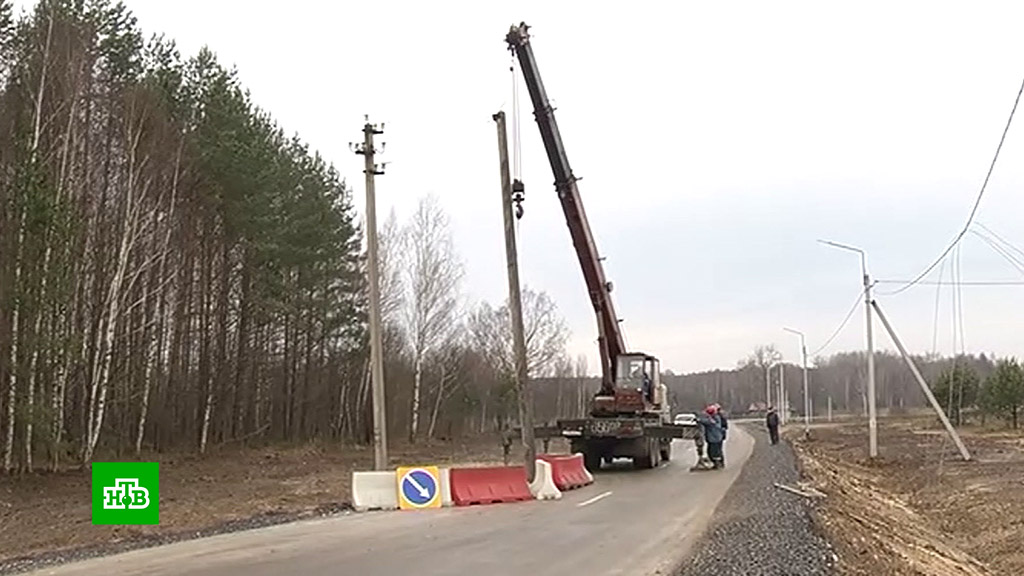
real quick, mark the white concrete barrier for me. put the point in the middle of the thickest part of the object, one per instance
(374, 491)
(446, 487)
(543, 485)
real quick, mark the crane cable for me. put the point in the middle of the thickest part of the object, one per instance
(517, 182)
(516, 165)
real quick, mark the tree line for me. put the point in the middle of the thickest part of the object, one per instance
(178, 272)
(965, 385)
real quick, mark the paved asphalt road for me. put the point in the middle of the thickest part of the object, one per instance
(628, 522)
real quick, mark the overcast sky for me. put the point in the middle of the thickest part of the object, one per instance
(716, 143)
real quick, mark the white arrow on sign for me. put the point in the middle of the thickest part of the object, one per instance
(423, 491)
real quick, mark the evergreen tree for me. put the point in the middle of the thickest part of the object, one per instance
(956, 389)
(1004, 390)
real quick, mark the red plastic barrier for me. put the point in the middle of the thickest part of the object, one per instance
(489, 485)
(568, 470)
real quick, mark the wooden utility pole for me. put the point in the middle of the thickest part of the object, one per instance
(380, 429)
(515, 305)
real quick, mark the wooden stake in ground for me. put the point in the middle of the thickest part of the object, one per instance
(380, 439)
(515, 305)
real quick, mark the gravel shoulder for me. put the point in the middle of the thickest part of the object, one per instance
(759, 529)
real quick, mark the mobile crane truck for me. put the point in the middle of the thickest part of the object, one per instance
(630, 415)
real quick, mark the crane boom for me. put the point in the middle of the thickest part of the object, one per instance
(610, 339)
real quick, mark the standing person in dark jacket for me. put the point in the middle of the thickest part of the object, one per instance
(772, 421)
(725, 428)
(714, 434)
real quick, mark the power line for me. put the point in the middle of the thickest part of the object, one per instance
(962, 283)
(960, 300)
(1001, 251)
(841, 326)
(977, 201)
(938, 292)
(1004, 241)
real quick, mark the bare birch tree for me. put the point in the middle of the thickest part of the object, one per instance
(390, 261)
(545, 331)
(448, 360)
(433, 275)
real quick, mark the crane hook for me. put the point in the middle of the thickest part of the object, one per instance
(518, 193)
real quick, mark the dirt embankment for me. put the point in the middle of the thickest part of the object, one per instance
(918, 509)
(48, 517)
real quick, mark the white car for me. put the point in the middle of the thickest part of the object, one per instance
(685, 418)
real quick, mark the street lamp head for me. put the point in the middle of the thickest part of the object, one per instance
(863, 255)
(842, 246)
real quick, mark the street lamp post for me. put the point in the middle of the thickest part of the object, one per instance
(807, 398)
(780, 402)
(872, 417)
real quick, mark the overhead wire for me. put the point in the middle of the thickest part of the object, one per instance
(977, 201)
(938, 293)
(1003, 247)
(960, 300)
(953, 372)
(860, 296)
(1006, 248)
(961, 283)
(1002, 240)
(1019, 265)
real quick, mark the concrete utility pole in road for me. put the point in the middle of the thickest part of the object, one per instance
(807, 397)
(872, 414)
(380, 429)
(515, 305)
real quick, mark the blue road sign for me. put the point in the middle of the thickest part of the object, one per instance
(419, 487)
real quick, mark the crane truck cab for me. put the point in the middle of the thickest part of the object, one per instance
(637, 388)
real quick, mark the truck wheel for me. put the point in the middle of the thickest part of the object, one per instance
(666, 453)
(647, 460)
(592, 460)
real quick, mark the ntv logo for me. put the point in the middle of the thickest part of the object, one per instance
(125, 493)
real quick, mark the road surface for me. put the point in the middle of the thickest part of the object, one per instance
(628, 522)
